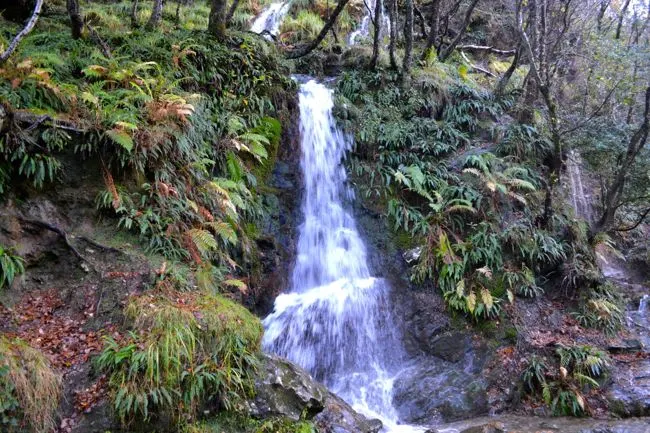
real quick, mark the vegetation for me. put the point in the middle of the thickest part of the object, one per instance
(10, 267)
(561, 384)
(29, 389)
(233, 423)
(185, 352)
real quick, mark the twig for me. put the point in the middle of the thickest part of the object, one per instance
(24, 32)
(478, 68)
(486, 48)
(106, 50)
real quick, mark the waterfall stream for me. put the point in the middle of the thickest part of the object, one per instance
(363, 31)
(335, 320)
(270, 19)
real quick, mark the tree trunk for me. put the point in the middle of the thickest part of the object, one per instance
(615, 189)
(76, 22)
(24, 32)
(377, 25)
(156, 15)
(134, 14)
(604, 4)
(621, 17)
(444, 54)
(217, 22)
(433, 30)
(503, 81)
(231, 12)
(308, 48)
(408, 41)
(392, 11)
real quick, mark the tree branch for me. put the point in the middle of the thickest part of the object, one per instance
(642, 217)
(308, 48)
(477, 68)
(24, 32)
(487, 48)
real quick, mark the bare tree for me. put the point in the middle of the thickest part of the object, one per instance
(621, 17)
(392, 12)
(217, 21)
(433, 30)
(614, 190)
(408, 41)
(24, 32)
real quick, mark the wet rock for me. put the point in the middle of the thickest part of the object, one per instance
(412, 255)
(451, 346)
(629, 345)
(629, 392)
(440, 392)
(284, 389)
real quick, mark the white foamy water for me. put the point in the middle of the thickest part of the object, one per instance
(580, 200)
(270, 19)
(335, 321)
(363, 31)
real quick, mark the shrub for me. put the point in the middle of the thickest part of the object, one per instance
(10, 267)
(185, 351)
(29, 389)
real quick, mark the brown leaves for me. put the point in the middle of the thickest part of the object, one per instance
(86, 399)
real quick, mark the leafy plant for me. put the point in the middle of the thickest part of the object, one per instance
(11, 266)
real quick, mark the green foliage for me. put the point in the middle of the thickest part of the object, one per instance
(304, 27)
(185, 351)
(11, 266)
(561, 386)
(29, 390)
(229, 422)
(602, 308)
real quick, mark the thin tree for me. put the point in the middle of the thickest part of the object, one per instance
(308, 48)
(621, 17)
(432, 38)
(156, 15)
(392, 13)
(408, 41)
(377, 25)
(446, 52)
(76, 22)
(134, 14)
(614, 190)
(24, 32)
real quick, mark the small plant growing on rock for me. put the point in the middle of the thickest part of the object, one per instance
(561, 385)
(10, 267)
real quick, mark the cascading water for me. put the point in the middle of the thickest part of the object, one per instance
(335, 321)
(580, 200)
(364, 27)
(270, 19)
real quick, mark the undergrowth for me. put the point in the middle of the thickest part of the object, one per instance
(29, 390)
(186, 352)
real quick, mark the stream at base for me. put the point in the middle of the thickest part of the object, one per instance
(335, 320)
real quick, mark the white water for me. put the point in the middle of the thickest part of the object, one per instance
(335, 321)
(270, 19)
(363, 31)
(580, 200)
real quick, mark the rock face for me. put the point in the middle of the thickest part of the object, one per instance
(629, 393)
(284, 389)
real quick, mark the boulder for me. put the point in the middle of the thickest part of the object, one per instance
(438, 391)
(284, 389)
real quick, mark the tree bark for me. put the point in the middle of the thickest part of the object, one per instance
(392, 12)
(408, 41)
(444, 54)
(217, 22)
(621, 17)
(433, 30)
(634, 147)
(134, 14)
(156, 15)
(503, 81)
(604, 4)
(377, 25)
(24, 32)
(76, 22)
(308, 48)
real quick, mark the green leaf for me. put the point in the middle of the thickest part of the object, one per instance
(122, 138)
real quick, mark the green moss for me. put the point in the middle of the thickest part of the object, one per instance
(29, 389)
(270, 128)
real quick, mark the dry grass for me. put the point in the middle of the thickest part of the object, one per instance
(36, 386)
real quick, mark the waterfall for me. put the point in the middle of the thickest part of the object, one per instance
(579, 199)
(335, 320)
(270, 19)
(363, 31)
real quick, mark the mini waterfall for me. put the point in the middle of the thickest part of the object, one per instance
(579, 199)
(335, 320)
(270, 19)
(363, 31)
